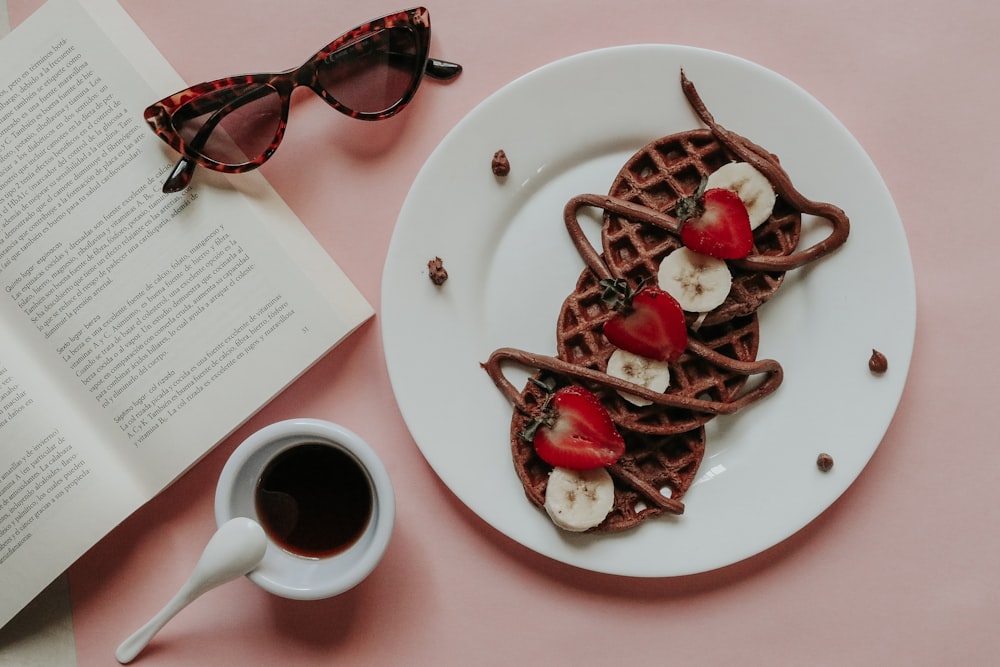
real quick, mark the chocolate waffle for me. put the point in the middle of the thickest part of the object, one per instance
(639, 229)
(656, 177)
(650, 478)
(713, 370)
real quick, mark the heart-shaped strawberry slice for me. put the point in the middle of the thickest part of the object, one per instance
(573, 430)
(648, 322)
(716, 223)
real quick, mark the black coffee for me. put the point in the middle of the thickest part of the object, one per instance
(314, 500)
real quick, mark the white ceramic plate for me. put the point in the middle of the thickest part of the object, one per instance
(567, 128)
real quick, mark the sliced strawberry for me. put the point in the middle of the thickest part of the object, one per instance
(648, 322)
(573, 430)
(716, 223)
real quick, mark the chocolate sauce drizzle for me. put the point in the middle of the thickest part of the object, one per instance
(771, 370)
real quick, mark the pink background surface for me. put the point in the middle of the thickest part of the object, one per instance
(901, 570)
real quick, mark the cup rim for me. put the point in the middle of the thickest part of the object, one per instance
(329, 579)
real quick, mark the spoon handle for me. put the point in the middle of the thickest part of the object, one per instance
(236, 548)
(133, 645)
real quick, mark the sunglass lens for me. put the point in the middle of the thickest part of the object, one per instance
(373, 73)
(233, 125)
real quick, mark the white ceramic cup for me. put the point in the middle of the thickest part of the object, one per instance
(285, 573)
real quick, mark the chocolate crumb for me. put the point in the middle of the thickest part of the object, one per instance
(878, 363)
(500, 165)
(824, 462)
(437, 272)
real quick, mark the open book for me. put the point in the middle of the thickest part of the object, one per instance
(138, 329)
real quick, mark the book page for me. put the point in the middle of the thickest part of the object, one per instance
(56, 490)
(143, 327)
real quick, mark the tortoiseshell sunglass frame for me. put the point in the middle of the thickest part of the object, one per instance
(160, 115)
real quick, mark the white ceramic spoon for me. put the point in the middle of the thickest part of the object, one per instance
(235, 549)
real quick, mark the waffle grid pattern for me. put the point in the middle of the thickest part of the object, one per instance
(659, 462)
(580, 340)
(657, 177)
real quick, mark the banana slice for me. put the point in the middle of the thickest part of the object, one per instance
(640, 370)
(753, 188)
(698, 282)
(577, 500)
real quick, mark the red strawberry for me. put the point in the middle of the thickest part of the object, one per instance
(573, 430)
(648, 322)
(716, 223)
